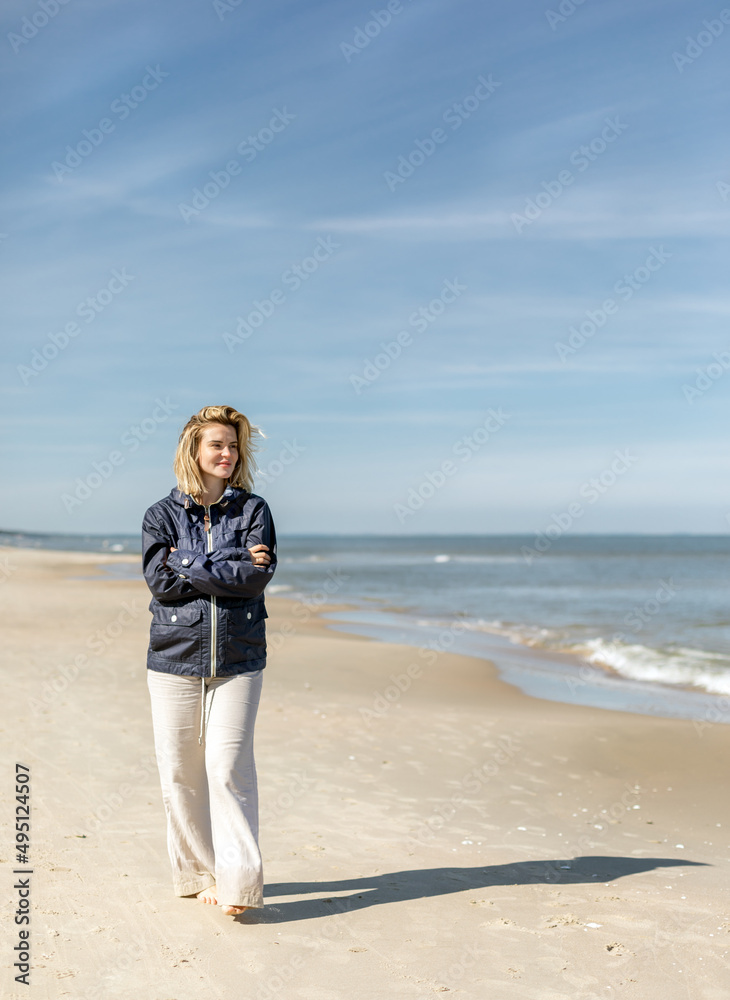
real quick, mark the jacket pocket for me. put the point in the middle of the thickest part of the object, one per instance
(176, 633)
(245, 632)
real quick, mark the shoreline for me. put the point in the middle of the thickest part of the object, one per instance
(465, 837)
(549, 675)
(552, 675)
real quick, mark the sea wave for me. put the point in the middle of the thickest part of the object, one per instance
(677, 666)
(458, 557)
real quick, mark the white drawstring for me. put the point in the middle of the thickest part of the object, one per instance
(202, 712)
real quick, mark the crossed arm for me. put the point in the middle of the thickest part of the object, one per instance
(172, 573)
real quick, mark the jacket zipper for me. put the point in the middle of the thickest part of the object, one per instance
(213, 603)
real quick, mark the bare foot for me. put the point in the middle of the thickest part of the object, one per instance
(210, 895)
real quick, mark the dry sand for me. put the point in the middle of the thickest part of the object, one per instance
(467, 840)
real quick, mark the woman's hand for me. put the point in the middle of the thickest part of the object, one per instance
(260, 555)
(167, 554)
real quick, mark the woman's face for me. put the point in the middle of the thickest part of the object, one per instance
(218, 452)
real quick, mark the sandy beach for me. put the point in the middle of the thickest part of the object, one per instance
(426, 828)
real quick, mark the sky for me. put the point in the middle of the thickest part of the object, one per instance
(464, 263)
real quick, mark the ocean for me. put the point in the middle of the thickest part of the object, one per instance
(565, 623)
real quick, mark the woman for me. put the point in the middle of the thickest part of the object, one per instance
(208, 551)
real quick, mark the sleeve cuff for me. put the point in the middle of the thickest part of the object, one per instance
(181, 560)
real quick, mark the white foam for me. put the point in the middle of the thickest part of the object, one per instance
(681, 666)
(678, 666)
(483, 559)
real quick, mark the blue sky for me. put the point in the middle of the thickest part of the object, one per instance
(458, 184)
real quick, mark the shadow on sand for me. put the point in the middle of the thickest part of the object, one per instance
(418, 883)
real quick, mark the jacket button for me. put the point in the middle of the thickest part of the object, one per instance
(185, 562)
(174, 618)
(248, 614)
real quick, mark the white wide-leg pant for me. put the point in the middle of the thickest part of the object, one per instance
(209, 791)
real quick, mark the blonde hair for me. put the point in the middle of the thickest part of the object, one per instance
(185, 466)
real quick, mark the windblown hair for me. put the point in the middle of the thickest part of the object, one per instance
(185, 466)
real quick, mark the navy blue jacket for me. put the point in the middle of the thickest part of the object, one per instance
(208, 612)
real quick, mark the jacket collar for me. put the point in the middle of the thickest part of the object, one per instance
(230, 494)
